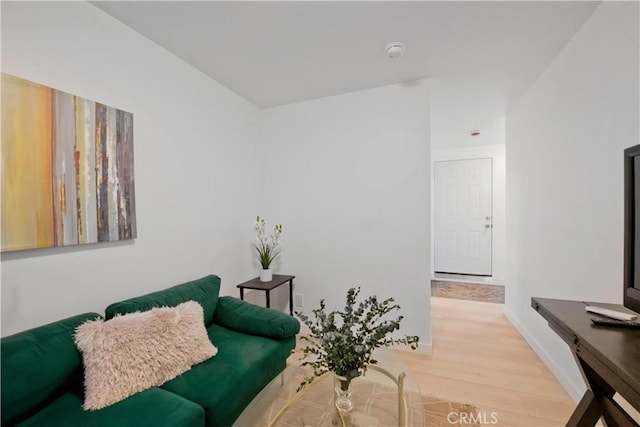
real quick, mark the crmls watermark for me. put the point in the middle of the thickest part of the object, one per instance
(481, 418)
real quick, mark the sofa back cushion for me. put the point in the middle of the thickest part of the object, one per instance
(36, 366)
(204, 291)
(255, 320)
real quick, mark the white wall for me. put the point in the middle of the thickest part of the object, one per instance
(459, 106)
(349, 179)
(348, 176)
(565, 141)
(195, 167)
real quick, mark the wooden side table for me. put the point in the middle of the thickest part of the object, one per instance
(278, 280)
(607, 357)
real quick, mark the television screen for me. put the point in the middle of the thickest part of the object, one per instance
(632, 228)
(636, 221)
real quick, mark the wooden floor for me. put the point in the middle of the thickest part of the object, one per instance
(479, 358)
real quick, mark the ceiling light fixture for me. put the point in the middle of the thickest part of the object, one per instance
(395, 49)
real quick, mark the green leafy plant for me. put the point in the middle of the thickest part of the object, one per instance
(267, 246)
(343, 342)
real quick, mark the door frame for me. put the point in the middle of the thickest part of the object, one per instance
(498, 248)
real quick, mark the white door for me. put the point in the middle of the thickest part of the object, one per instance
(463, 217)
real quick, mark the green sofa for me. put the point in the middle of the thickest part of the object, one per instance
(42, 369)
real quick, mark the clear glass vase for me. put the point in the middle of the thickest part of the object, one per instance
(343, 394)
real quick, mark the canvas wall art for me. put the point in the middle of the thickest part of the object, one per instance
(67, 169)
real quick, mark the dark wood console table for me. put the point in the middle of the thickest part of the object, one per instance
(609, 359)
(278, 280)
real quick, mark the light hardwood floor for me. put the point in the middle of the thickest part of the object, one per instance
(480, 358)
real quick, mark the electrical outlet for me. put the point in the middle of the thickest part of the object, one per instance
(299, 300)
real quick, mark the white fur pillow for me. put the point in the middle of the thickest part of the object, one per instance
(133, 352)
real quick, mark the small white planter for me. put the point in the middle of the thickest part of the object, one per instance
(266, 274)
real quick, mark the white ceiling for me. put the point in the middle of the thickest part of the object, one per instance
(274, 53)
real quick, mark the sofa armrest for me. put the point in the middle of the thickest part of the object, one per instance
(255, 320)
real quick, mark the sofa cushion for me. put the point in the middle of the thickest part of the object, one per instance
(37, 364)
(225, 384)
(130, 353)
(204, 291)
(151, 408)
(253, 319)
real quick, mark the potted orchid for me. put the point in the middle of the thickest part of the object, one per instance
(267, 247)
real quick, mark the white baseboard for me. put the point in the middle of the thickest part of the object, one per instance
(574, 390)
(424, 348)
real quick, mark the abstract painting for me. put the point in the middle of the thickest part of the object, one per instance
(67, 169)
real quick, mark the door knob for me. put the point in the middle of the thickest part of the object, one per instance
(487, 226)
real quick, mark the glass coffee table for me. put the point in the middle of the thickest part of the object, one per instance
(384, 396)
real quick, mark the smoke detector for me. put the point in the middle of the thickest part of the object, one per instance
(395, 49)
